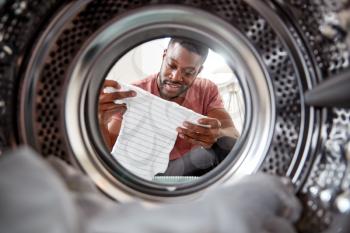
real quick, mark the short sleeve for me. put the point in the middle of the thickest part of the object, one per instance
(214, 99)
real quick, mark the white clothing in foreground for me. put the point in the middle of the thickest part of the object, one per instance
(35, 199)
(148, 131)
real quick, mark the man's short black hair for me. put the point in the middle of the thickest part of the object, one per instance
(191, 45)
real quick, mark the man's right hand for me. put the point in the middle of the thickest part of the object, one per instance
(107, 109)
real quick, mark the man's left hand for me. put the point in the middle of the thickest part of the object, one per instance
(204, 135)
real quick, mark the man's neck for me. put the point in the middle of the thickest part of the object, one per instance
(178, 99)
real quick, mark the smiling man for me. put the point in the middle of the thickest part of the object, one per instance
(197, 148)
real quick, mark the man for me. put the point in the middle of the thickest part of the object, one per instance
(197, 148)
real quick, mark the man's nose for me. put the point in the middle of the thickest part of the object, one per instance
(176, 75)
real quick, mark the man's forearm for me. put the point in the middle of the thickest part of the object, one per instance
(113, 128)
(229, 132)
(106, 135)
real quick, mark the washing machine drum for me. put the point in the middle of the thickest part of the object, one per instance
(55, 56)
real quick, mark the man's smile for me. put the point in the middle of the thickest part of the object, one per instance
(170, 86)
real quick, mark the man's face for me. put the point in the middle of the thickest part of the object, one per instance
(179, 69)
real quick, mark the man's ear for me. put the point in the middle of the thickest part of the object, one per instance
(200, 69)
(164, 53)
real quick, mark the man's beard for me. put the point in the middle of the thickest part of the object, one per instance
(162, 86)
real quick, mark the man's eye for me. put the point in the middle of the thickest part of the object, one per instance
(172, 66)
(188, 74)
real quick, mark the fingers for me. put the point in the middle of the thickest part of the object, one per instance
(196, 134)
(113, 94)
(110, 97)
(113, 107)
(211, 125)
(111, 83)
(204, 137)
(197, 140)
(212, 122)
(107, 114)
(107, 106)
(190, 127)
(205, 141)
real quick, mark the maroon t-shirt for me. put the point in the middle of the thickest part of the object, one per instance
(202, 97)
